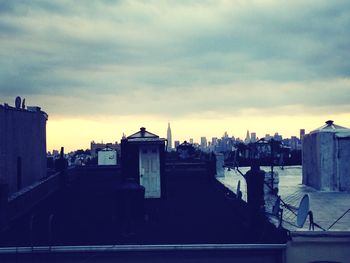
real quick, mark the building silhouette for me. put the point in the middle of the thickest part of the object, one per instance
(169, 137)
(253, 137)
(268, 136)
(203, 143)
(277, 137)
(247, 138)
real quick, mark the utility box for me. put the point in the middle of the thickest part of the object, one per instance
(143, 159)
(107, 156)
(326, 158)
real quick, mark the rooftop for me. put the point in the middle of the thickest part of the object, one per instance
(327, 207)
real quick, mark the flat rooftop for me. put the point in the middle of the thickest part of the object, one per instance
(327, 207)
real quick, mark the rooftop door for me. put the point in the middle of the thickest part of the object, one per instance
(150, 171)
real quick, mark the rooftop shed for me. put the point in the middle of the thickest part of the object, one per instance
(142, 158)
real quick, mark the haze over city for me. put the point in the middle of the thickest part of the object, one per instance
(206, 67)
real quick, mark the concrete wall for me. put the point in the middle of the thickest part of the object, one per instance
(22, 140)
(218, 253)
(310, 158)
(309, 247)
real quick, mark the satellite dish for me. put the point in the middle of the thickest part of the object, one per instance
(303, 210)
(18, 102)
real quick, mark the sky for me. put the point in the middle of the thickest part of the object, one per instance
(103, 68)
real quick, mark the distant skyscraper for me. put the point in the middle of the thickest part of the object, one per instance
(294, 143)
(247, 138)
(177, 143)
(253, 137)
(169, 138)
(204, 143)
(191, 140)
(302, 133)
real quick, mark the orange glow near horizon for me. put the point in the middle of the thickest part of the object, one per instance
(77, 133)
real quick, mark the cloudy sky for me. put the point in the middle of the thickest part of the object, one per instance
(101, 68)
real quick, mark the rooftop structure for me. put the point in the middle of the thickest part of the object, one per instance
(22, 145)
(326, 158)
(329, 126)
(96, 147)
(107, 156)
(186, 151)
(143, 160)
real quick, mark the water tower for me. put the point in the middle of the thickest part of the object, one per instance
(326, 158)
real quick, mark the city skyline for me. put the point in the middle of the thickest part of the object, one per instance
(180, 139)
(208, 67)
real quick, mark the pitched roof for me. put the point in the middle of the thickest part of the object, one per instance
(143, 134)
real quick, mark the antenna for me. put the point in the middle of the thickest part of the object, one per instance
(303, 211)
(23, 104)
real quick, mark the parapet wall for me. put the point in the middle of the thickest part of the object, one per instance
(318, 247)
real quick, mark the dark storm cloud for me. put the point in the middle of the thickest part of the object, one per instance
(154, 56)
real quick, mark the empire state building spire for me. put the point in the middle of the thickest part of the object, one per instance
(247, 138)
(169, 138)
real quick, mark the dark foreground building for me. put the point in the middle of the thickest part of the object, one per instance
(95, 207)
